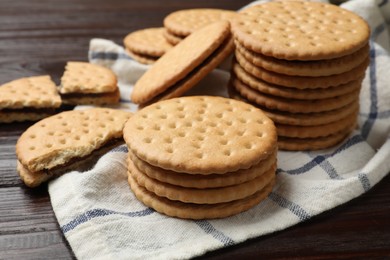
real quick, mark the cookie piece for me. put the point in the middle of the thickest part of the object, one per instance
(184, 58)
(275, 90)
(144, 59)
(300, 119)
(300, 30)
(101, 99)
(203, 181)
(184, 22)
(53, 142)
(310, 144)
(9, 116)
(33, 179)
(197, 211)
(302, 144)
(201, 135)
(202, 196)
(305, 68)
(294, 106)
(28, 99)
(86, 80)
(171, 38)
(302, 82)
(310, 119)
(196, 75)
(317, 130)
(149, 41)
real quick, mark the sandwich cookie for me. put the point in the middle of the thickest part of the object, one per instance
(70, 140)
(201, 157)
(302, 63)
(28, 99)
(85, 83)
(184, 65)
(147, 45)
(182, 23)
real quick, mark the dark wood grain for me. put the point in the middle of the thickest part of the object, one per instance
(38, 37)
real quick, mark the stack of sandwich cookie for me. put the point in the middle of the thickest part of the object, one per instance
(71, 140)
(84, 83)
(147, 45)
(185, 65)
(28, 99)
(182, 23)
(201, 157)
(303, 64)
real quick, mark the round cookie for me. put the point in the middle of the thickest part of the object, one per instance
(301, 119)
(144, 59)
(317, 130)
(301, 144)
(309, 144)
(201, 134)
(305, 68)
(202, 196)
(184, 22)
(293, 93)
(300, 30)
(171, 38)
(302, 82)
(203, 181)
(293, 106)
(150, 41)
(197, 211)
(311, 119)
(180, 61)
(198, 74)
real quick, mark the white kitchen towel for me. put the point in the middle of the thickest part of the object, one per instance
(102, 219)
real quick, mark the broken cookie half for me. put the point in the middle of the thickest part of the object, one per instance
(71, 140)
(85, 83)
(28, 99)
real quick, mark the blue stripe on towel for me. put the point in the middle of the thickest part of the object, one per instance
(366, 128)
(376, 32)
(329, 169)
(320, 159)
(379, 115)
(121, 149)
(108, 56)
(383, 3)
(364, 181)
(293, 207)
(209, 229)
(94, 213)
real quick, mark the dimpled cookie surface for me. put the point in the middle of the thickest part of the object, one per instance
(57, 139)
(201, 134)
(300, 30)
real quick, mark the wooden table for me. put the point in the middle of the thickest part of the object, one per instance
(38, 37)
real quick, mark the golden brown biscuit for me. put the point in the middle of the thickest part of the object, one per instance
(202, 181)
(185, 58)
(184, 22)
(286, 92)
(149, 41)
(197, 211)
(305, 68)
(201, 135)
(83, 81)
(28, 99)
(300, 30)
(62, 139)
